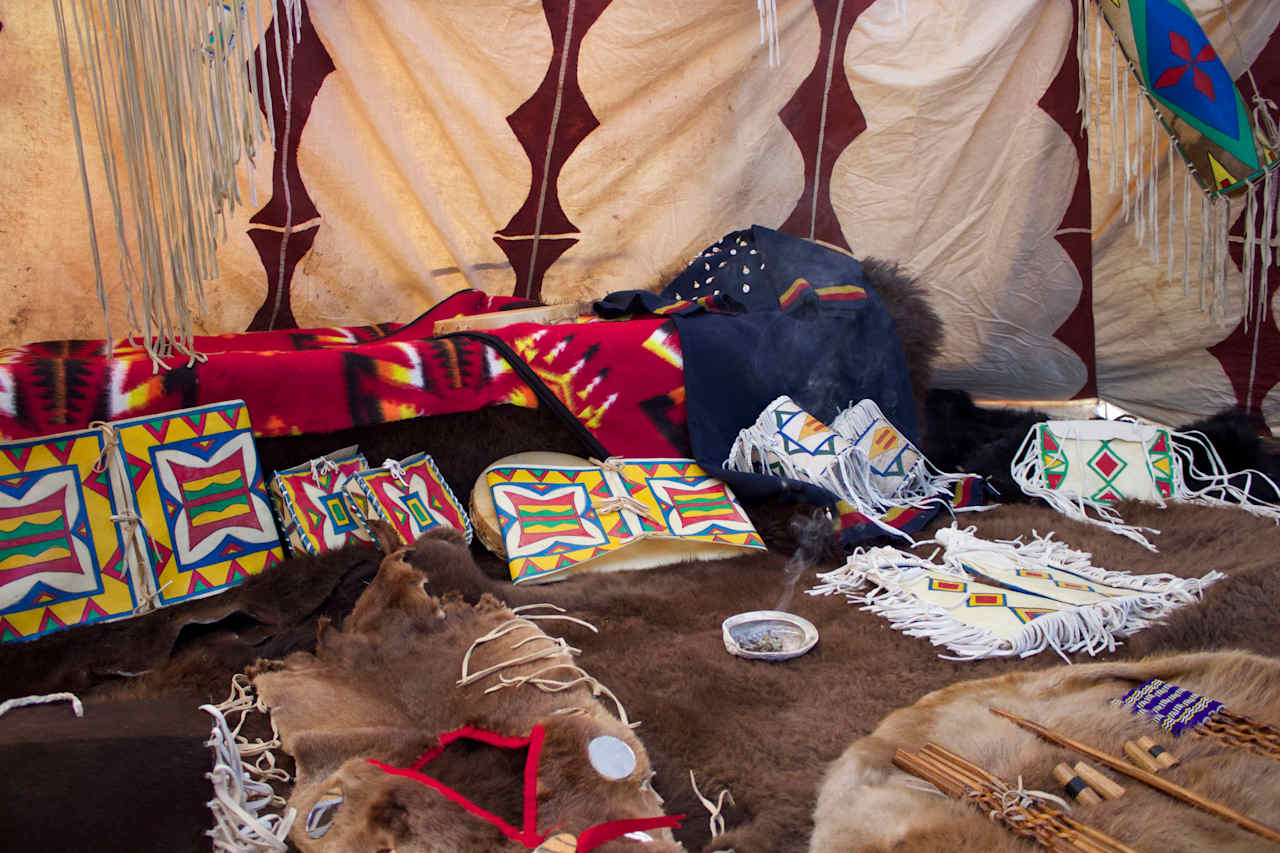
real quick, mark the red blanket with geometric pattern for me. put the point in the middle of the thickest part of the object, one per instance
(623, 380)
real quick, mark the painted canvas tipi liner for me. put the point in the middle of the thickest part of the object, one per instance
(991, 598)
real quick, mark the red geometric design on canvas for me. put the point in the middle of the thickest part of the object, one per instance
(549, 126)
(697, 506)
(1106, 464)
(197, 422)
(229, 415)
(38, 543)
(140, 467)
(198, 582)
(8, 633)
(61, 450)
(157, 429)
(115, 566)
(48, 620)
(1181, 48)
(305, 65)
(92, 611)
(206, 505)
(546, 519)
(99, 484)
(236, 572)
(1026, 614)
(18, 456)
(1073, 233)
(163, 552)
(823, 117)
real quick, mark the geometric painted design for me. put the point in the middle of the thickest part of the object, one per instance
(318, 514)
(1107, 462)
(1161, 462)
(279, 241)
(196, 484)
(555, 519)
(1191, 89)
(336, 513)
(412, 496)
(1033, 573)
(1108, 465)
(986, 599)
(1026, 614)
(1052, 458)
(417, 509)
(215, 497)
(549, 126)
(1081, 587)
(1046, 583)
(61, 556)
(694, 505)
(823, 118)
(808, 444)
(547, 519)
(939, 585)
(37, 539)
(1187, 74)
(891, 456)
(206, 487)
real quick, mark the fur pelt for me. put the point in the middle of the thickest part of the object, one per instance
(383, 687)
(866, 804)
(959, 436)
(664, 656)
(767, 731)
(919, 327)
(194, 647)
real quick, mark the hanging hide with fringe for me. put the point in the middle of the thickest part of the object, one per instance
(173, 91)
(1076, 466)
(1228, 147)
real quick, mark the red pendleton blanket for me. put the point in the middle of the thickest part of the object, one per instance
(622, 380)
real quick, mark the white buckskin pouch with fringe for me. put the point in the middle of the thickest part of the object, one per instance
(1076, 466)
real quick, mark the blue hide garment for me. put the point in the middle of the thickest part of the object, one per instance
(761, 314)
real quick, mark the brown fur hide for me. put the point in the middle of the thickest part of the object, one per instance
(864, 803)
(193, 648)
(384, 687)
(767, 731)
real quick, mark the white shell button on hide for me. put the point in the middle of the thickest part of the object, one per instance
(611, 757)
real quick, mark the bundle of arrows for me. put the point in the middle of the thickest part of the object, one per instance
(1027, 813)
